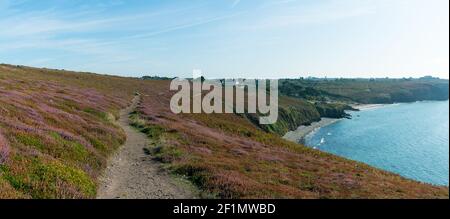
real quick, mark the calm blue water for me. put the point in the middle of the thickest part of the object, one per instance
(409, 139)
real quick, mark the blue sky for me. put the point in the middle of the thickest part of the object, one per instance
(230, 38)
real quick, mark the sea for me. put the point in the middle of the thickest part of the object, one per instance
(410, 139)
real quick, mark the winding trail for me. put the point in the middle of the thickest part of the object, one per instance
(132, 174)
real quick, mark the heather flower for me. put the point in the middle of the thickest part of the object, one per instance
(4, 149)
(16, 124)
(70, 137)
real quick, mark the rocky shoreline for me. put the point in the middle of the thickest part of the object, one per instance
(298, 136)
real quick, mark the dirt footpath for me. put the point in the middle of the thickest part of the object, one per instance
(132, 174)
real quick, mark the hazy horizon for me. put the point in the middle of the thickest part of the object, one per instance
(230, 38)
(243, 75)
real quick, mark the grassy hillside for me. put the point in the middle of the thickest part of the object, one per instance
(57, 129)
(367, 90)
(295, 112)
(227, 156)
(292, 113)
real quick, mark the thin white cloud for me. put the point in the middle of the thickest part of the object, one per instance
(280, 16)
(182, 26)
(72, 32)
(51, 22)
(90, 20)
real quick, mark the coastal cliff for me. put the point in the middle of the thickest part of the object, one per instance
(367, 91)
(307, 101)
(295, 112)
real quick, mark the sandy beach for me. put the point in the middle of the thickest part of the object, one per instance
(299, 135)
(367, 106)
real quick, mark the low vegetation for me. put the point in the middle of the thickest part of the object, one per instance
(227, 156)
(380, 91)
(57, 129)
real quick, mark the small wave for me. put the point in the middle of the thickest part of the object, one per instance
(322, 141)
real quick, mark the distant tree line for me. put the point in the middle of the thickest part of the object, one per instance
(156, 78)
